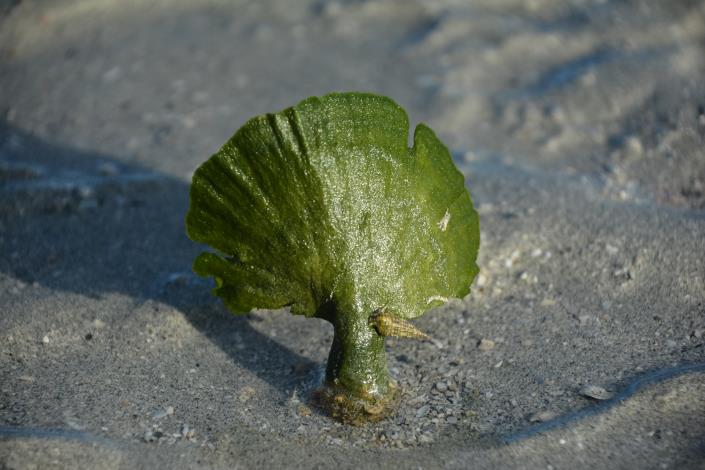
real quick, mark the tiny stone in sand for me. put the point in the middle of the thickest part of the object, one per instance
(246, 394)
(485, 345)
(423, 411)
(595, 392)
(542, 416)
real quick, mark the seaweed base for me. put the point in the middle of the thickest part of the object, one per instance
(346, 407)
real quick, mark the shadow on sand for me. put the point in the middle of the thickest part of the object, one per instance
(87, 223)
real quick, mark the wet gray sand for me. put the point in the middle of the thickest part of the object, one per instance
(579, 127)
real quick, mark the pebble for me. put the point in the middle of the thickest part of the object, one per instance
(437, 343)
(441, 386)
(699, 333)
(634, 146)
(418, 400)
(509, 262)
(45, 339)
(595, 392)
(186, 431)
(423, 411)
(246, 393)
(485, 345)
(611, 250)
(451, 373)
(542, 416)
(160, 414)
(622, 272)
(303, 411)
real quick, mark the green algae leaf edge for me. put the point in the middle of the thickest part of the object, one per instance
(324, 208)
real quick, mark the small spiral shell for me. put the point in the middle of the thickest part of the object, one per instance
(387, 324)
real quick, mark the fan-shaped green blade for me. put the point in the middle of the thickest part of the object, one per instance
(324, 203)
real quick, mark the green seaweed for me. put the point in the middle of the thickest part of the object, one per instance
(325, 209)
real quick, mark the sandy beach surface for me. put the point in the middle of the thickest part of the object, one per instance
(580, 128)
